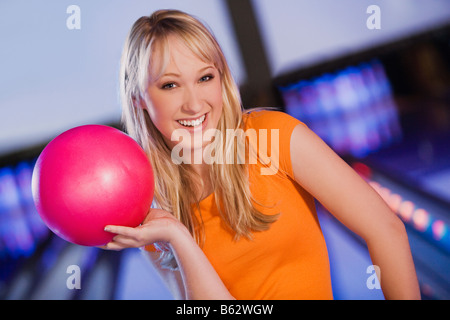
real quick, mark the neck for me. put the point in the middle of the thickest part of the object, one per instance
(204, 184)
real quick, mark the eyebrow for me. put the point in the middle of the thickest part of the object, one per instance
(173, 74)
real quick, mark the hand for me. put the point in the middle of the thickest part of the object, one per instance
(158, 226)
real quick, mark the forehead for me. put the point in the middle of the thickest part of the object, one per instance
(172, 54)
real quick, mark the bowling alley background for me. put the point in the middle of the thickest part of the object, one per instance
(370, 77)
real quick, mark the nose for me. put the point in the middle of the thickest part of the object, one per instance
(192, 103)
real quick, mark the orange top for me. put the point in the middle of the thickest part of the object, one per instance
(288, 261)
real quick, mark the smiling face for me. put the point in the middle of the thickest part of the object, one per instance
(186, 94)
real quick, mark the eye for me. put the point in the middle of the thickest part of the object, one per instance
(168, 86)
(206, 78)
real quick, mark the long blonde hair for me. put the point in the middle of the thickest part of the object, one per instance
(230, 182)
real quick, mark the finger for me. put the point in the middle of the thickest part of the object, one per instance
(125, 241)
(114, 246)
(111, 246)
(125, 231)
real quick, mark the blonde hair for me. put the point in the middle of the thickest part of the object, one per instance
(230, 182)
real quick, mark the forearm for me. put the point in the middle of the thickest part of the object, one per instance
(200, 279)
(391, 253)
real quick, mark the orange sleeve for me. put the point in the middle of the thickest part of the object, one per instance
(157, 247)
(150, 248)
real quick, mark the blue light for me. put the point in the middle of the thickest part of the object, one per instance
(351, 109)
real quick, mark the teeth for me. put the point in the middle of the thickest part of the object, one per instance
(192, 123)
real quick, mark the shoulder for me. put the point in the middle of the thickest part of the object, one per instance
(270, 119)
(274, 131)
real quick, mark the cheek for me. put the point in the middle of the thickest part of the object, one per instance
(216, 99)
(155, 105)
(160, 112)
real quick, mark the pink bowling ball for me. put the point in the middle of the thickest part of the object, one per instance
(89, 177)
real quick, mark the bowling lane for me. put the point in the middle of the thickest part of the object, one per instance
(137, 279)
(351, 276)
(427, 226)
(422, 160)
(438, 184)
(414, 178)
(64, 271)
(427, 223)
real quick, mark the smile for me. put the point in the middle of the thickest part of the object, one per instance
(192, 123)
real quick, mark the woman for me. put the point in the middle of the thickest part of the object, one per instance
(247, 228)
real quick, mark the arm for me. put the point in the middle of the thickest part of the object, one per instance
(199, 277)
(354, 203)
